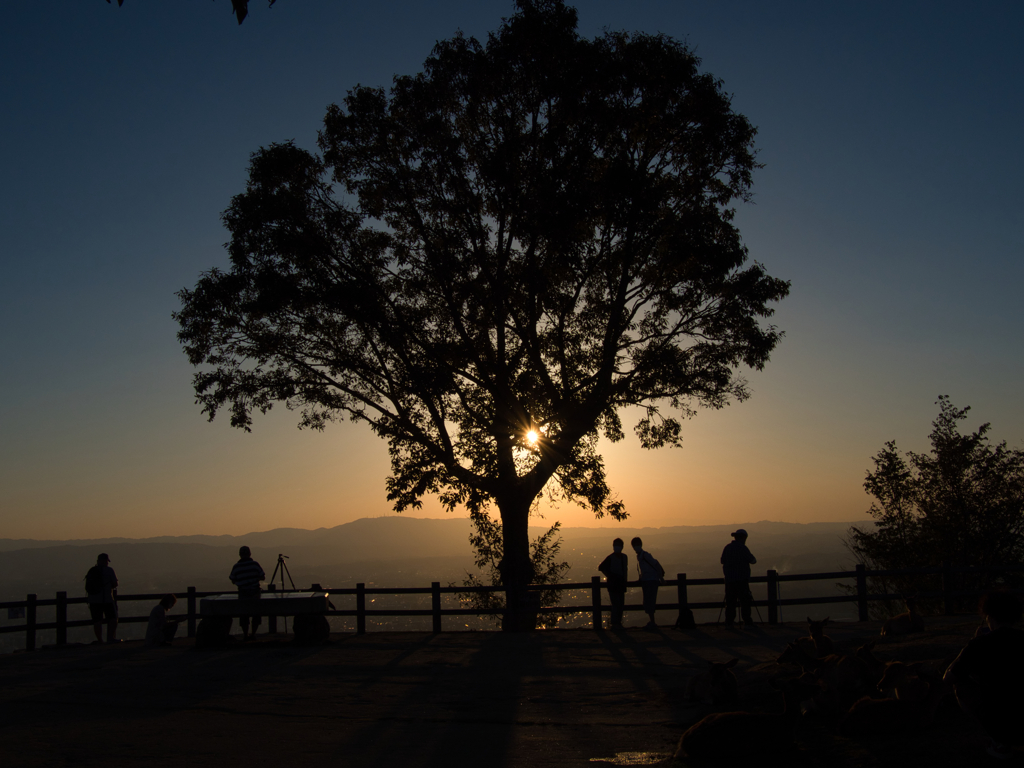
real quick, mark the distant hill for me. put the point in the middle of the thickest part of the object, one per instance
(391, 551)
(403, 552)
(172, 562)
(379, 531)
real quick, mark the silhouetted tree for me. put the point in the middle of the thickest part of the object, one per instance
(489, 261)
(239, 7)
(962, 503)
(489, 545)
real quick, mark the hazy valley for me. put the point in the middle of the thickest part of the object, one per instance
(399, 552)
(391, 551)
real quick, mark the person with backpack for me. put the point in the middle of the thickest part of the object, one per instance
(101, 588)
(736, 562)
(615, 568)
(651, 575)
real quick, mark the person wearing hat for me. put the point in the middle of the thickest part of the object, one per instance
(101, 586)
(736, 562)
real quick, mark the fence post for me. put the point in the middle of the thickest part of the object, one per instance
(360, 609)
(190, 621)
(272, 620)
(773, 596)
(862, 593)
(190, 611)
(435, 605)
(595, 602)
(685, 620)
(947, 589)
(30, 623)
(62, 618)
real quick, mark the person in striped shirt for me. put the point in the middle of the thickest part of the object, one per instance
(247, 575)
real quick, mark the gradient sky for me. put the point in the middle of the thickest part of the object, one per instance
(891, 198)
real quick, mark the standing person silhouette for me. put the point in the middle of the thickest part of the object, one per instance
(101, 588)
(651, 574)
(736, 562)
(247, 575)
(615, 568)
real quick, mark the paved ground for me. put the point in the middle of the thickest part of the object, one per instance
(554, 698)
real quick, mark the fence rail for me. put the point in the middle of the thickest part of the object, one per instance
(771, 580)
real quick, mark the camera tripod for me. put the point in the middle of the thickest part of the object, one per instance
(283, 568)
(724, 602)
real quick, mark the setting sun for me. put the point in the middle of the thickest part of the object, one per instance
(532, 436)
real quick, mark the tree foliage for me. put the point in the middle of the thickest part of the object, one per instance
(962, 504)
(238, 7)
(488, 543)
(488, 261)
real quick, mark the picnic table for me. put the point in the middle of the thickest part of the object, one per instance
(308, 609)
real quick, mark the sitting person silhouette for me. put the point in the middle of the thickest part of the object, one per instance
(988, 675)
(160, 630)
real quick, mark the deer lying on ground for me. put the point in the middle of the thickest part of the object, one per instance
(904, 623)
(874, 665)
(726, 736)
(906, 682)
(877, 718)
(837, 670)
(717, 686)
(915, 694)
(823, 645)
(817, 643)
(845, 677)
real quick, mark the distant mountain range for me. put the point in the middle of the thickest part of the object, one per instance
(397, 536)
(355, 536)
(392, 551)
(401, 552)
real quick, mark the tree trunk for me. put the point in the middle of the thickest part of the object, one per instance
(516, 567)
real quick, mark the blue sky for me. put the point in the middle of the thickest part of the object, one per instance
(890, 197)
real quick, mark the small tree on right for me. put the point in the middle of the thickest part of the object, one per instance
(962, 503)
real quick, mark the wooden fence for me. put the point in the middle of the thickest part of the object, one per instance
(772, 601)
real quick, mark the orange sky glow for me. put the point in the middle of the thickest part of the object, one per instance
(889, 197)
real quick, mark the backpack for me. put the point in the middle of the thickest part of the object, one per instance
(655, 563)
(94, 581)
(661, 571)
